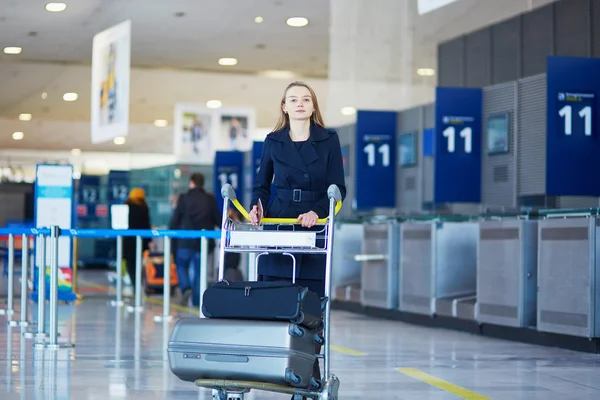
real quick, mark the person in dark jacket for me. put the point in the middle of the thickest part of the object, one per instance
(139, 218)
(304, 158)
(196, 210)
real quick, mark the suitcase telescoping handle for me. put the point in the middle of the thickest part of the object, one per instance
(285, 254)
(228, 192)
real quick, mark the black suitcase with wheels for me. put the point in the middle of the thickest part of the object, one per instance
(271, 301)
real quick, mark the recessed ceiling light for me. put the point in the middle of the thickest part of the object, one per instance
(44, 95)
(258, 20)
(12, 50)
(213, 104)
(25, 117)
(70, 96)
(161, 123)
(277, 74)
(119, 140)
(297, 22)
(18, 135)
(348, 110)
(56, 7)
(76, 152)
(426, 71)
(228, 61)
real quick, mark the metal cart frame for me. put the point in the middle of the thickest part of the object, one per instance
(237, 238)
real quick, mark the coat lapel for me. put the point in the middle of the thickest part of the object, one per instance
(307, 154)
(289, 154)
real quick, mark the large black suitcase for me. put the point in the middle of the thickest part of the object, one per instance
(271, 301)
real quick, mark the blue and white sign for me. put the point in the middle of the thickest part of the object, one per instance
(54, 205)
(118, 187)
(228, 168)
(375, 155)
(88, 196)
(458, 113)
(575, 113)
(572, 142)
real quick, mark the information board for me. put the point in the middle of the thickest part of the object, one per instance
(375, 157)
(54, 198)
(228, 168)
(572, 142)
(457, 176)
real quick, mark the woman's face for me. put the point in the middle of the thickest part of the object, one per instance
(298, 103)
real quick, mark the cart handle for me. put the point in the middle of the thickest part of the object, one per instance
(332, 192)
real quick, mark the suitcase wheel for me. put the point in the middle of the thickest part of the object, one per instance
(297, 331)
(292, 378)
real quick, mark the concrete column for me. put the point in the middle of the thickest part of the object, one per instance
(371, 58)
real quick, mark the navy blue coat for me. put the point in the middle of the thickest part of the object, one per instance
(312, 168)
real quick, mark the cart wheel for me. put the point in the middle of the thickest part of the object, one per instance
(330, 390)
(219, 395)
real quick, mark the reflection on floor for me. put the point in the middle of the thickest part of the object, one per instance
(121, 355)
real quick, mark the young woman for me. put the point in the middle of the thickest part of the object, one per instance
(305, 158)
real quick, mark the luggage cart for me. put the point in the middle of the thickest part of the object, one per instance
(238, 238)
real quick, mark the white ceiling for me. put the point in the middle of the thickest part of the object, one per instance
(57, 50)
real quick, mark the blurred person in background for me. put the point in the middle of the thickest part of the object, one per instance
(196, 210)
(139, 218)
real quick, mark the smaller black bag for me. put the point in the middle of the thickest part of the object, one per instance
(272, 301)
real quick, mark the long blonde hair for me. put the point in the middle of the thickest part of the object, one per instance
(284, 119)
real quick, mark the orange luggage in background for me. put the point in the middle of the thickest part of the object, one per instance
(153, 277)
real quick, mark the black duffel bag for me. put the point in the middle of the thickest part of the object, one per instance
(272, 301)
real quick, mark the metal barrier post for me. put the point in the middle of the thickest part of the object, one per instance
(138, 276)
(203, 272)
(41, 319)
(53, 331)
(119, 301)
(24, 275)
(166, 283)
(11, 270)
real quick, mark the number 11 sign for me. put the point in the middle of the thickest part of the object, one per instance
(457, 177)
(576, 114)
(375, 156)
(228, 168)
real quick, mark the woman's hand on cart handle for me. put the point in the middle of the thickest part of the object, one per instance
(308, 219)
(254, 217)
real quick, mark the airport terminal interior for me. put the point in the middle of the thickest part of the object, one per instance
(450, 164)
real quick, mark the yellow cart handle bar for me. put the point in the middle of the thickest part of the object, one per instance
(332, 192)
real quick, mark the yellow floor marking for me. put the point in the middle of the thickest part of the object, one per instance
(442, 384)
(347, 351)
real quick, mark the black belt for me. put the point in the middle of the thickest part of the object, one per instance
(298, 195)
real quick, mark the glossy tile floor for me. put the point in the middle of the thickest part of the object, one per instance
(120, 355)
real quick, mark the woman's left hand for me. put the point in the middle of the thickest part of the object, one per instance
(308, 219)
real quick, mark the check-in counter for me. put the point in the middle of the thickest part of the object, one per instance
(346, 271)
(507, 272)
(379, 263)
(438, 268)
(568, 275)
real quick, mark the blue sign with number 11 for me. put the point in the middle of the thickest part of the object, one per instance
(375, 156)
